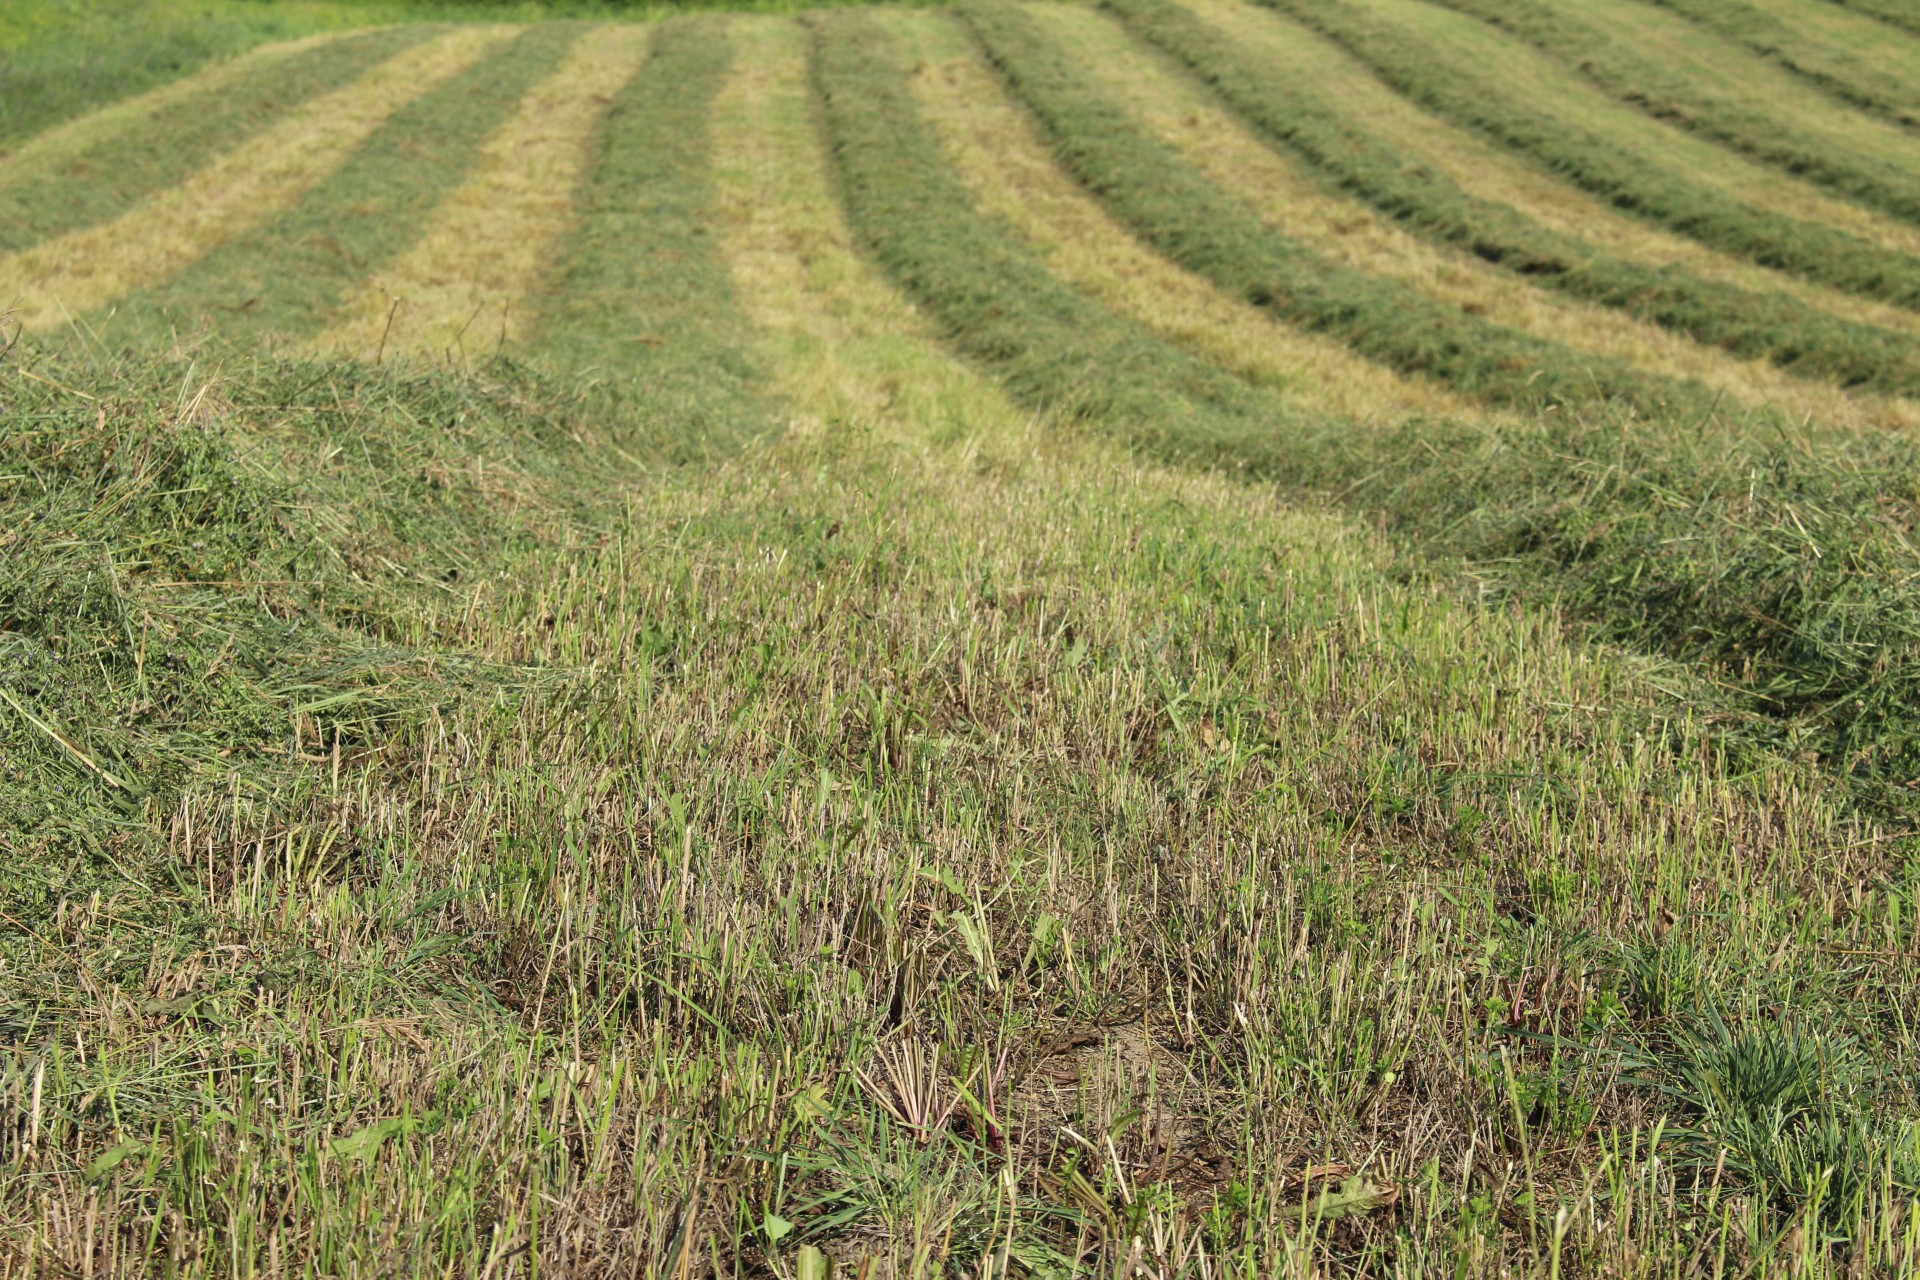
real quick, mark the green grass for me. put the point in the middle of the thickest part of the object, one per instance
(1213, 233)
(1056, 350)
(1833, 70)
(1891, 12)
(289, 276)
(1631, 182)
(790, 767)
(1827, 158)
(51, 192)
(1770, 326)
(640, 297)
(1677, 536)
(512, 819)
(203, 559)
(62, 58)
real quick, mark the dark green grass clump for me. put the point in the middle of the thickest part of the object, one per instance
(1638, 82)
(1211, 232)
(642, 298)
(210, 575)
(288, 277)
(1771, 326)
(59, 193)
(1468, 96)
(1833, 71)
(1054, 348)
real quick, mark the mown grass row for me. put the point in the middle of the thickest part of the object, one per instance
(1056, 349)
(1895, 13)
(1782, 563)
(1825, 160)
(50, 192)
(1770, 326)
(288, 277)
(1213, 233)
(641, 298)
(60, 60)
(1471, 97)
(1832, 70)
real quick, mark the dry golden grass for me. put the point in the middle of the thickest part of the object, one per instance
(851, 353)
(1010, 173)
(1524, 74)
(491, 241)
(88, 269)
(1302, 56)
(95, 126)
(1180, 112)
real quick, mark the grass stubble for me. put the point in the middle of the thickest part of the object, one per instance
(928, 835)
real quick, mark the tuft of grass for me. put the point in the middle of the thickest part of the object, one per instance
(1770, 326)
(1206, 229)
(1626, 180)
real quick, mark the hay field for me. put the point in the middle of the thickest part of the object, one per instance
(1176, 638)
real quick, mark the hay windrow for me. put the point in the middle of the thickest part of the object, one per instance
(1294, 52)
(469, 281)
(1008, 169)
(1349, 232)
(88, 270)
(854, 354)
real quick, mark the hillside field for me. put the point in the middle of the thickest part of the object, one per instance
(1026, 638)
